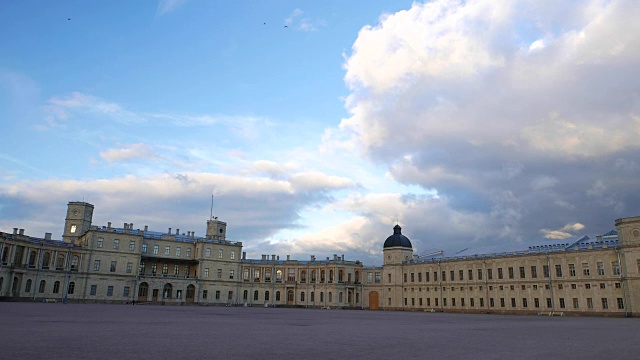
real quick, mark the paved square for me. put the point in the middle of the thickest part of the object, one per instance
(99, 331)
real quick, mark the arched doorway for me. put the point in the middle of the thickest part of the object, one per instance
(373, 300)
(191, 291)
(167, 291)
(143, 292)
(290, 297)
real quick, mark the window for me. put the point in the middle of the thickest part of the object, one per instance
(492, 303)
(267, 275)
(513, 302)
(176, 269)
(572, 270)
(461, 275)
(426, 276)
(511, 273)
(413, 277)
(230, 274)
(100, 243)
(94, 289)
(255, 295)
(559, 270)
(534, 271)
(266, 296)
(278, 296)
(377, 277)
(291, 275)
(132, 245)
(589, 303)
(435, 276)
(549, 303)
(72, 288)
(230, 295)
(605, 303)
(96, 265)
(535, 287)
(562, 303)
(109, 290)
(536, 302)
(451, 273)
(575, 303)
(490, 274)
(545, 271)
(301, 296)
(500, 275)
(369, 278)
(217, 294)
(156, 248)
(524, 303)
(560, 286)
(587, 286)
(444, 276)
(112, 268)
(207, 252)
(125, 293)
(585, 269)
(245, 274)
(615, 268)
(27, 287)
(167, 250)
(187, 270)
(178, 250)
(144, 248)
(219, 274)
(220, 254)
(188, 252)
(617, 285)
(116, 244)
(574, 286)
(405, 278)
(129, 267)
(75, 262)
(233, 255)
(154, 269)
(600, 267)
(522, 274)
(204, 294)
(470, 272)
(502, 302)
(419, 277)
(73, 229)
(602, 286)
(206, 272)
(479, 274)
(620, 303)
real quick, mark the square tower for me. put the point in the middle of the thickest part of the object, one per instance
(216, 229)
(78, 220)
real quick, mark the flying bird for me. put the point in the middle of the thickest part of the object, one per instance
(68, 19)
(286, 26)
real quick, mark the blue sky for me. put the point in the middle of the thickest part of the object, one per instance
(486, 125)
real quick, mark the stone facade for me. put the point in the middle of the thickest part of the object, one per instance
(125, 264)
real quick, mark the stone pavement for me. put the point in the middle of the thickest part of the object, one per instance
(100, 331)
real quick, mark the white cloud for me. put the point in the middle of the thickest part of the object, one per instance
(129, 152)
(168, 6)
(296, 21)
(564, 233)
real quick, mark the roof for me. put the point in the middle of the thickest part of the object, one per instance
(397, 239)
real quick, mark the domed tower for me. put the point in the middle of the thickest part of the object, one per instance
(397, 248)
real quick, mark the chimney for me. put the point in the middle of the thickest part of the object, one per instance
(342, 257)
(273, 258)
(109, 224)
(15, 231)
(126, 226)
(47, 236)
(169, 232)
(335, 257)
(177, 231)
(146, 228)
(130, 226)
(244, 255)
(21, 231)
(288, 257)
(278, 257)
(264, 257)
(313, 258)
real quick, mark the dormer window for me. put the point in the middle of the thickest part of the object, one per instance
(73, 229)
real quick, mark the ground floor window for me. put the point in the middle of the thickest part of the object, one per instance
(72, 287)
(56, 287)
(43, 284)
(277, 295)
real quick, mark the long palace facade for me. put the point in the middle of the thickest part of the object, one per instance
(125, 264)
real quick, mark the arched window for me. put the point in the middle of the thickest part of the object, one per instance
(302, 296)
(60, 262)
(27, 287)
(322, 276)
(331, 275)
(43, 284)
(255, 295)
(72, 288)
(46, 260)
(32, 259)
(278, 275)
(277, 295)
(245, 295)
(340, 297)
(303, 276)
(75, 260)
(56, 287)
(357, 277)
(313, 276)
(340, 275)
(266, 296)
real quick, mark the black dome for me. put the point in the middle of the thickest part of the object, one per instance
(397, 239)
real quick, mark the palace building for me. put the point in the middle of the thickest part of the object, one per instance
(127, 264)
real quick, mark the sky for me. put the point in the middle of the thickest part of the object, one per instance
(485, 125)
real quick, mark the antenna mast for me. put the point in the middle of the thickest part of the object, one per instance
(211, 218)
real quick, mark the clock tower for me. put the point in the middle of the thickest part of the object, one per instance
(78, 220)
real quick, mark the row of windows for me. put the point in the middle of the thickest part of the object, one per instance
(178, 251)
(94, 290)
(524, 303)
(112, 267)
(511, 272)
(312, 297)
(291, 275)
(165, 269)
(116, 244)
(617, 285)
(43, 285)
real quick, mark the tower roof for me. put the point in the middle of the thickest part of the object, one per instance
(397, 239)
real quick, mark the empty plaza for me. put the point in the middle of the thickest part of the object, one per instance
(103, 331)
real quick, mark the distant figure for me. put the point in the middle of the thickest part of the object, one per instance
(68, 19)
(286, 26)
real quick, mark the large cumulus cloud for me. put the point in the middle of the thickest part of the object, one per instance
(522, 114)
